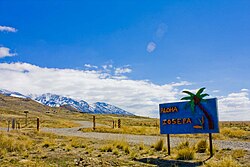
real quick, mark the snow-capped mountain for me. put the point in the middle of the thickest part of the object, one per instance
(12, 94)
(53, 100)
(104, 108)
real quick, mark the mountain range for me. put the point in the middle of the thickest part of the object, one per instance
(54, 100)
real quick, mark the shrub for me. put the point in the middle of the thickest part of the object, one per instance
(224, 162)
(159, 145)
(107, 148)
(77, 143)
(182, 145)
(238, 153)
(201, 146)
(10, 142)
(235, 133)
(141, 146)
(115, 151)
(47, 143)
(127, 150)
(3, 153)
(120, 144)
(185, 154)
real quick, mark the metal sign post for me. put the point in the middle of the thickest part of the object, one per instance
(210, 145)
(168, 140)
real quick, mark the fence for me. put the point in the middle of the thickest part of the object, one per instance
(21, 123)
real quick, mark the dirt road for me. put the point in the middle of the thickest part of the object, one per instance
(148, 140)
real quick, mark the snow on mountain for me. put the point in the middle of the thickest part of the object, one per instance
(12, 94)
(104, 108)
(54, 100)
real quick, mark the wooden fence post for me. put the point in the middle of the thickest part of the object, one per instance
(119, 123)
(26, 118)
(37, 123)
(13, 123)
(113, 124)
(93, 122)
(8, 126)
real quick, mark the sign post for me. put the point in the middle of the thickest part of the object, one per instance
(210, 144)
(168, 140)
(195, 116)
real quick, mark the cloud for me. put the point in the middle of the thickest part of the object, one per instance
(7, 29)
(5, 52)
(122, 70)
(90, 66)
(137, 96)
(178, 78)
(161, 30)
(244, 90)
(151, 47)
(235, 106)
(140, 97)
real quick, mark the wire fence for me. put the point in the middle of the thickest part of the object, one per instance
(21, 123)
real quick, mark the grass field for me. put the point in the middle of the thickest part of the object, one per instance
(32, 148)
(27, 147)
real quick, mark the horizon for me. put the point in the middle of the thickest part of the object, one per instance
(129, 54)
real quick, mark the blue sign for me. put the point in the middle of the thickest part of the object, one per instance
(182, 118)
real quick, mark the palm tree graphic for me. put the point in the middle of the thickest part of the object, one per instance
(195, 100)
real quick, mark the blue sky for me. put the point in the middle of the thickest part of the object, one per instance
(183, 44)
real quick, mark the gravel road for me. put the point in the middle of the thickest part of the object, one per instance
(148, 140)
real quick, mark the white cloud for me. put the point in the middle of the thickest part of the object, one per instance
(161, 30)
(151, 47)
(122, 70)
(5, 52)
(181, 83)
(140, 97)
(8, 29)
(244, 90)
(235, 106)
(137, 96)
(216, 91)
(90, 66)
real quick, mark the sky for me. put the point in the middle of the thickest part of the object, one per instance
(134, 54)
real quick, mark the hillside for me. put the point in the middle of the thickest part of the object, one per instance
(13, 107)
(21, 104)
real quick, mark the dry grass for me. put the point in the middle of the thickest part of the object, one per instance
(159, 145)
(235, 132)
(201, 146)
(184, 151)
(31, 148)
(185, 154)
(47, 149)
(14, 142)
(224, 162)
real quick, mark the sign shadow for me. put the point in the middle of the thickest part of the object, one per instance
(172, 163)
